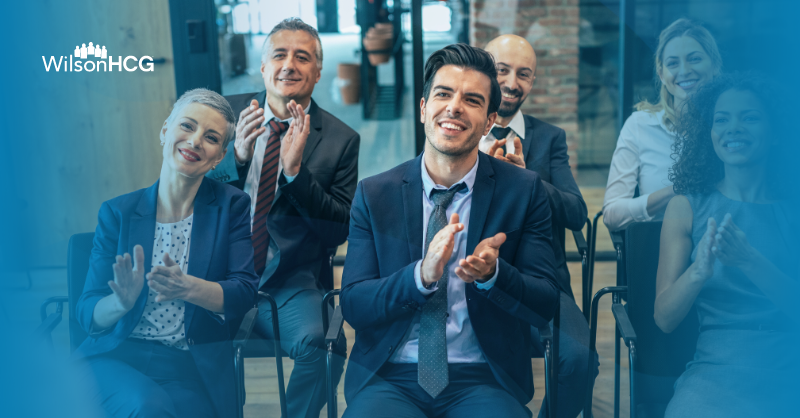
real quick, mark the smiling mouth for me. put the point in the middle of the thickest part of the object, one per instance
(686, 84)
(188, 155)
(451, 127)
(289, 80)
(509, 96)
(735, 145)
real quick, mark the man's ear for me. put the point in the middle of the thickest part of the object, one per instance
(163, 131)
(422, 110)
(489, 123)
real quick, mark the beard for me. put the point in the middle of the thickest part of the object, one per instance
(506, 109)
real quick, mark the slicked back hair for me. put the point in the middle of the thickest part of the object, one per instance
(465, 56)
(293, 24)
(213, 100)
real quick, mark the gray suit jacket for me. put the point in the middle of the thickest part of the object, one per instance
(311, 215)
(545, 151)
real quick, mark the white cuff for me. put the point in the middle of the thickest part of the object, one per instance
(418, 280)
(289, 179)
(638, 208)
(490, 283)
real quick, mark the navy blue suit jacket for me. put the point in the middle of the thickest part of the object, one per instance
(221, 252)
(379, 296)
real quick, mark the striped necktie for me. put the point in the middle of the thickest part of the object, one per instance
(266, 193)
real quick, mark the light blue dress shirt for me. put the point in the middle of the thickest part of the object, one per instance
(462, 344)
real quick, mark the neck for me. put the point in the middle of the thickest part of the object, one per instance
(277, 105)
(504, 121)
(745, 184)
(176, 194)
(446, 170)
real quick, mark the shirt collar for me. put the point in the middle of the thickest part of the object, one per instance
(517, 125)
(428, 184)
(268, 116)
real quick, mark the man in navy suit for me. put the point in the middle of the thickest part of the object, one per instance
(538, 146)
(449, 263)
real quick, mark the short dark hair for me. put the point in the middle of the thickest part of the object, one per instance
(463, 55)
(293, 24)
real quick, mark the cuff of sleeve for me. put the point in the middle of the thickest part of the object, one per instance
(418, 280)
(638, 208)
(490, 283)
(289, 179)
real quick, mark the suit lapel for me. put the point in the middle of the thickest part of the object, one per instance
(412, 207)
(315, 134)
(528, 140)
(204, 230)
(482, 193)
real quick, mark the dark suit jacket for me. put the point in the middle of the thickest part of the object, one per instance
(379, 295)
(310, 215)
(545, 151)
(221, 252)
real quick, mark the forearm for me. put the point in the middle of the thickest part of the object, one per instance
(107, 312)
(658, 200)
(674, 302)
(568, 209)
(207, 295)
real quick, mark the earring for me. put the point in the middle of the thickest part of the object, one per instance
(214, 167)
(162, 143)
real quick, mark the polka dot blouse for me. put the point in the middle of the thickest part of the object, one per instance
(163, 321)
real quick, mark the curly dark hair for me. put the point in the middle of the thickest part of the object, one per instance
(697, 168)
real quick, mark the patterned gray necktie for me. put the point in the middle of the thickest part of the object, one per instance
(432, 374)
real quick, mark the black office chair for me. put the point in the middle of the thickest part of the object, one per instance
(656, 359)
(79, 251)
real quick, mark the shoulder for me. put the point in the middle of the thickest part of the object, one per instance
(512, 175)
(541, 127)
(332, 124)
(679, 212)
(225, 191)
(239, 101)
(641, 118)
(390, 178)
(127, 201)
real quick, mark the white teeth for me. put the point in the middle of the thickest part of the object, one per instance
(687, 83)
(451, 126)
(736, 144)
(509, 96)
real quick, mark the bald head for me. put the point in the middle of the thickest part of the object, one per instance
(516, 66)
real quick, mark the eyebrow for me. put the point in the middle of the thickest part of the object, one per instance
(197, 123)
(521, 69)
(286, 50)
(475, 95)
(693, 52)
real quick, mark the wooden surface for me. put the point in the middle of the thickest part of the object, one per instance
(102, 140)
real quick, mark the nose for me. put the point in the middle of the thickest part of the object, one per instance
(455, 107)
(289, 64)
(194, 139)
(512, 81)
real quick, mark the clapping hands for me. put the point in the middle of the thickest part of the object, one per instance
(128, 278)
(294, 142)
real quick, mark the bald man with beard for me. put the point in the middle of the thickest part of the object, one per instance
(532, 144)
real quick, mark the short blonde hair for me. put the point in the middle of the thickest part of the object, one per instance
(678, 28)
(213, 100)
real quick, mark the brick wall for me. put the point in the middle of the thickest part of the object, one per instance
(551, 26)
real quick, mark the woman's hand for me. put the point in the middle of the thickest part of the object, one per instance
(703, 266)
(170, 282)
(731, 246)
(128, 280)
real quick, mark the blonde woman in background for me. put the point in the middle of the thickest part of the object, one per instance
(686, 58)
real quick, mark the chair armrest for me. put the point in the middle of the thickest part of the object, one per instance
(616, 239)
(335, 327)
(60, 300)
(624, 323)
(545, 334)
(50, 322)
(246, 328)
(580, 242)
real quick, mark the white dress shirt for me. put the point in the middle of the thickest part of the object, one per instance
(642, 158)
(462, 344)
(517, 126)
(163, 321)
(254, 174)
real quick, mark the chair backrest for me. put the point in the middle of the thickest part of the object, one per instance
(661, 358)
(80, 249)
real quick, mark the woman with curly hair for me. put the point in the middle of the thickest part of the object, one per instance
(686, 58)
(728, 248)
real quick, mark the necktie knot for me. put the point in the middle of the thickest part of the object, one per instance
(444, 198)
(278, 127)
(500, 133)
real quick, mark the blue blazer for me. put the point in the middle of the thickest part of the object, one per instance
(379, 296)
(221, 252)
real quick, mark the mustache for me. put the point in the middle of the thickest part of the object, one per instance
(514, 92)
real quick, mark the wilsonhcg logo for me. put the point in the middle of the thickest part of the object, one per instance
(86, 59)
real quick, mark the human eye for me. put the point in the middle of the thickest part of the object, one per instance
(213, 139)
(672, 63)
(187, 126)
(720, 119)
